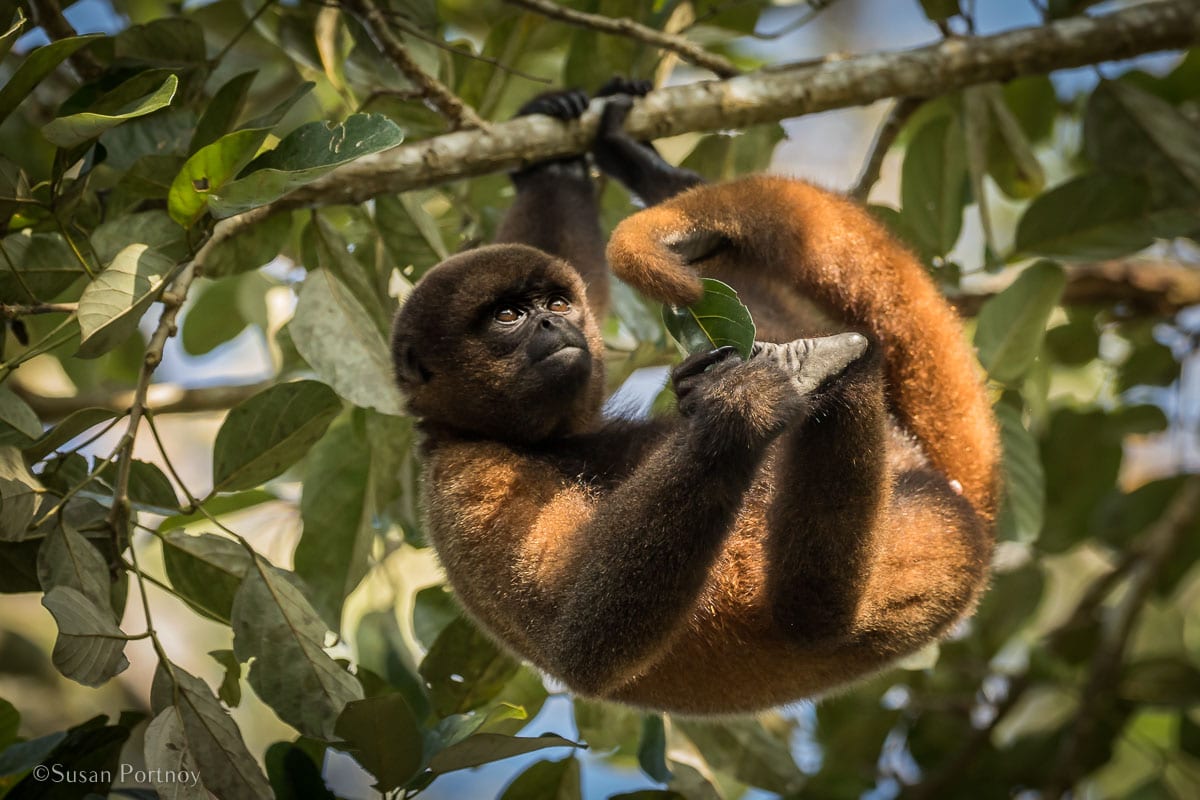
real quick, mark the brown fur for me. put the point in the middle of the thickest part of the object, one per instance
(764, 547)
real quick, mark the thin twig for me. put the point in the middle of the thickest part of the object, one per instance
(450, 105)
(241, 31)
(15, 311)
(885, 137)
(619, 26)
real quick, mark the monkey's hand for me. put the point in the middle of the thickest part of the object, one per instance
(565, 105)
(813, 362)
(734, 403)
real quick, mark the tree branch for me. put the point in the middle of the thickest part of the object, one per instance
(162, 398)
(769, 97)
(687, 50)
(1135, 287)
(454, 109)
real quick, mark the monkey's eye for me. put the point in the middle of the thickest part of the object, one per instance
(558, 305)
(507, 314)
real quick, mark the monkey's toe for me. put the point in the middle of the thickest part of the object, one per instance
(811, 362)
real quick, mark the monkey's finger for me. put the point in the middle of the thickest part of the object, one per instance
(698, 362)
(612, 120)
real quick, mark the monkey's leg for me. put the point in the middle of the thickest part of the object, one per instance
(832, 485)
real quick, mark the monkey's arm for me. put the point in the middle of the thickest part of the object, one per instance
(555, 209)
(638, 166)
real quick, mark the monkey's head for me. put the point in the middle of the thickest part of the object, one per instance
(499, 342)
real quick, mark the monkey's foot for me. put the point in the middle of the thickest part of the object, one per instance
(811, 362)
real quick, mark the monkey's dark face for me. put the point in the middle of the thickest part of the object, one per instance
(499, 341)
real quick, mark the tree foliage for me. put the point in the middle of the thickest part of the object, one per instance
(121, 152)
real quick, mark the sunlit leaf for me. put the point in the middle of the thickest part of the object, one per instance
(934, 183)
(35, 66)
(112, 305)
(1013, 323)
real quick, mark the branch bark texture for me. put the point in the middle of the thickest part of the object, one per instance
(769, 96)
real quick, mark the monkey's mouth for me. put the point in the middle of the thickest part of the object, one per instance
(566, 351)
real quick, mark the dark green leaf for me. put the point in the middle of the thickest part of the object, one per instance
(409, 233)
(724, 156)
(484, 748)
(465, 668)
(1022, 508)
(42, 266)
(212, 740)
(333, 254)
(75, 129)
(167, 754)
(1013, 323)
(933, 184)
(1163, 681)
(382, 649)
(718, 319)
(250, 248)
(212, 319)
(546, 780)
(652, 748)
(383, 735)
(940, 10)
(433, 609)
(66, 558)
(222, 112)
(206, 570)
(274, 624)
(78, 423)
(337, 509)
(230, 690)
(17, 419)
(90, 647)
(266, 434)
(294, 769)
(747, 750)
(304, 155)
(1095, 216)
(34, 67)
(218, 506)
(163, 42)
(19, 492)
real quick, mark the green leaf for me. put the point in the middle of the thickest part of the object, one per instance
(275, 625)
(725, 156)
(1132, 132)
(212, 319)
(167, 754)
(1093, 217)
(149, 488)
(933, 184)
(78, 423)
(10, 36)
(294, 769)
(42, 266)
(75, 129)
(206, 570)
(111, 305)
(151, 228)
(465, 668)
(17, 418)
(250, 248)
(90, 648)
(382, 649)
(230, 690)
(266, 434)
(169, 42)
(652, 748)
(19, 492)
(383, 735)
(333, 254)
(484, 748)
(218, 506)
(222, 112)
(547, 780)
(433, 609)
(304, 155)
(337, 509)
(940, 10)
(409, 233)
(336, 336)
(35, 66)
(744, 748)
(718, 319)
(1011, 325)
(1011, 160)
(68, 559)
(211, 739)
(1022, 509)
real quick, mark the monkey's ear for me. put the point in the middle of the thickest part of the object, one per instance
(409, 369)
(695, 244)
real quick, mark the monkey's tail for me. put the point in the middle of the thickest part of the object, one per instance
(834, 252)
